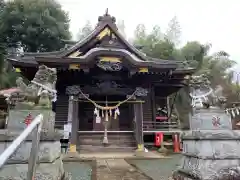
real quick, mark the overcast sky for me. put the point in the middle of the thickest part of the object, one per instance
(214, 21)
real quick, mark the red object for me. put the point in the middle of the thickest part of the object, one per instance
(216, 121)
(158, 138)
(8, 92)
(28, 119)
(176, 143)
(161, 118)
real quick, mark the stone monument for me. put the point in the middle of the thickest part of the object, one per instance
(31, 100)
(211, 149)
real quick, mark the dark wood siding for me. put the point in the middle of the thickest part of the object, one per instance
(61, 111)
(86, 116)
(147, 109)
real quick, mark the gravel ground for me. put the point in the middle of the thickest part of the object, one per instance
(158, 169)
(78, 170)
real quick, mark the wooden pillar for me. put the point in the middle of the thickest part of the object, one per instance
(138, 113)
(153, 105)
(70, 109)
(75, 124)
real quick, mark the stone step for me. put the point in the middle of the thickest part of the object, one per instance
(113, 138)
(110, 136)
(111, 148)
(122, 140)
(127, 142)
(118, 142)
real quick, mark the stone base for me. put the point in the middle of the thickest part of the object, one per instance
(49, 162)
(48, 152)
(204, 169)
(16, 119)
(207, 152)
(51, 171)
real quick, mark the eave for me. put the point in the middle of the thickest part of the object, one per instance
(187, 71)
(22, 63)
(90, 58)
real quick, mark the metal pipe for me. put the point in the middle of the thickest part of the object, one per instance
(17, 142)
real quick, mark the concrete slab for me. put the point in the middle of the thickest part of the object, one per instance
(101, 155)
(118, 163)
(121, 155)
(117, 169)
(149, 155)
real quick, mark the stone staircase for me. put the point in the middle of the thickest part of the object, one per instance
(118, 142)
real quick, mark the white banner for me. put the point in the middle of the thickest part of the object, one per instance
(98, 120)
(68, 127)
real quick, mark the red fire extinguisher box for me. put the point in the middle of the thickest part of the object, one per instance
(158, 138)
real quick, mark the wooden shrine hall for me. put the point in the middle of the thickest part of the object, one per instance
(106, 88)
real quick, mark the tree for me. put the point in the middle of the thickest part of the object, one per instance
(40, 25)
(173, 32)
(121, 28)
(85, 31)
(194, 52)
(2, 38)
(140, 35)
(154, 44)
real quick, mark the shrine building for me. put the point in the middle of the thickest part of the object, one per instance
(108, 90)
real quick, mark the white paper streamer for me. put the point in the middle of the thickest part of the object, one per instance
(237, 111)
(227, 111)
(233, 113)
(96, 112)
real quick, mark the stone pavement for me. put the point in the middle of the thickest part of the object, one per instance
(104, 155)
(117, 169)
(78, 170)
(111, 166)
(158, 169)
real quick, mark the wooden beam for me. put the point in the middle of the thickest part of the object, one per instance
(75, 127)
(153, 104)
(111, 102)
(138, 115)
(70, 109)
(159, 84)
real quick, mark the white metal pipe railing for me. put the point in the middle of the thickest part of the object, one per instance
(35, 125)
